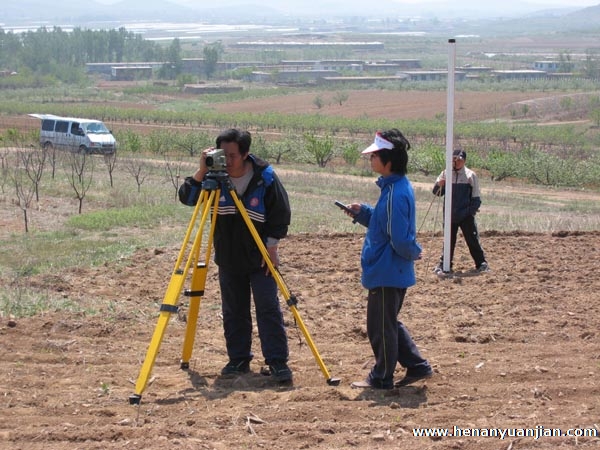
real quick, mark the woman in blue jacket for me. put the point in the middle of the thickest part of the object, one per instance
(388, 254)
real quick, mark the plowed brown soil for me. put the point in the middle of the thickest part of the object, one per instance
(378, 103)
(514, 348)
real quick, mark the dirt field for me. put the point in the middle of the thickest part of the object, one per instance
(513, 349)
(376, 103)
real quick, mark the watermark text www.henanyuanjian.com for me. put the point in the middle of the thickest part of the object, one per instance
(503, 433)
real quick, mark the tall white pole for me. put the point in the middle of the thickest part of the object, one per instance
(449, 150)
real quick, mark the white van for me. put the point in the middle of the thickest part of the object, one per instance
(76, 135)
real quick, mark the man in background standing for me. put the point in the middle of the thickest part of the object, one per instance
(466, 200)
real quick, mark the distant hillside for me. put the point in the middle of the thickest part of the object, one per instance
(73, 12)
(492, 16)
(587, 18)
(584, 20)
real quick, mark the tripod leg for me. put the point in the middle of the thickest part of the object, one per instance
(169, 304)
(195, 293)
(290, 300)
(197, 288)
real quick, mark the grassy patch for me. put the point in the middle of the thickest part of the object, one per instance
(140, 216)
(20, 302)
(43, 252)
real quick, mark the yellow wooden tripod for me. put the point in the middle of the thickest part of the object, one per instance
(208, 201)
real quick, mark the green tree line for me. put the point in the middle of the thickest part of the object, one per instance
(56, 53)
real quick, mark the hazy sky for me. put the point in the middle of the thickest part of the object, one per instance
(563, 2)
(426, 8)
(508, 3)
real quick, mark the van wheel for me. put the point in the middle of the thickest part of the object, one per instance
(83, 149)
(47, 146)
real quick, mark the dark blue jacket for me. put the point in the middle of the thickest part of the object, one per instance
(466, 198)
(267, 204)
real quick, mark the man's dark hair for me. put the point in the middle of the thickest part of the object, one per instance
(398, 156)
(242, 138)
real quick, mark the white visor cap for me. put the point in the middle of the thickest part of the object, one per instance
(378, 144)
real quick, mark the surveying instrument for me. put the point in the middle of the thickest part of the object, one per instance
(213, 183)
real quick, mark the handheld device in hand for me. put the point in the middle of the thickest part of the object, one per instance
(344, 207)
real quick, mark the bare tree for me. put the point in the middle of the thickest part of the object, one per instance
(3, 168)
(110, 161)
(80, 175)
(50, 151)
(24, 185)
(34, 162)
(173, 168)
(136, 168)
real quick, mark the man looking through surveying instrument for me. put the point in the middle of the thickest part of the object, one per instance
(242, 269)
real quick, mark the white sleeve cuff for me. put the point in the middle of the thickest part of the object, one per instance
(272, 242)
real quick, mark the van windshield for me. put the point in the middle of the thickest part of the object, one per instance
(96, 128)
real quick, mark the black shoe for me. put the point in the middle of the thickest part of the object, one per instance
(238, 367)
(483, 268)
(280, 372)
(410, 379)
